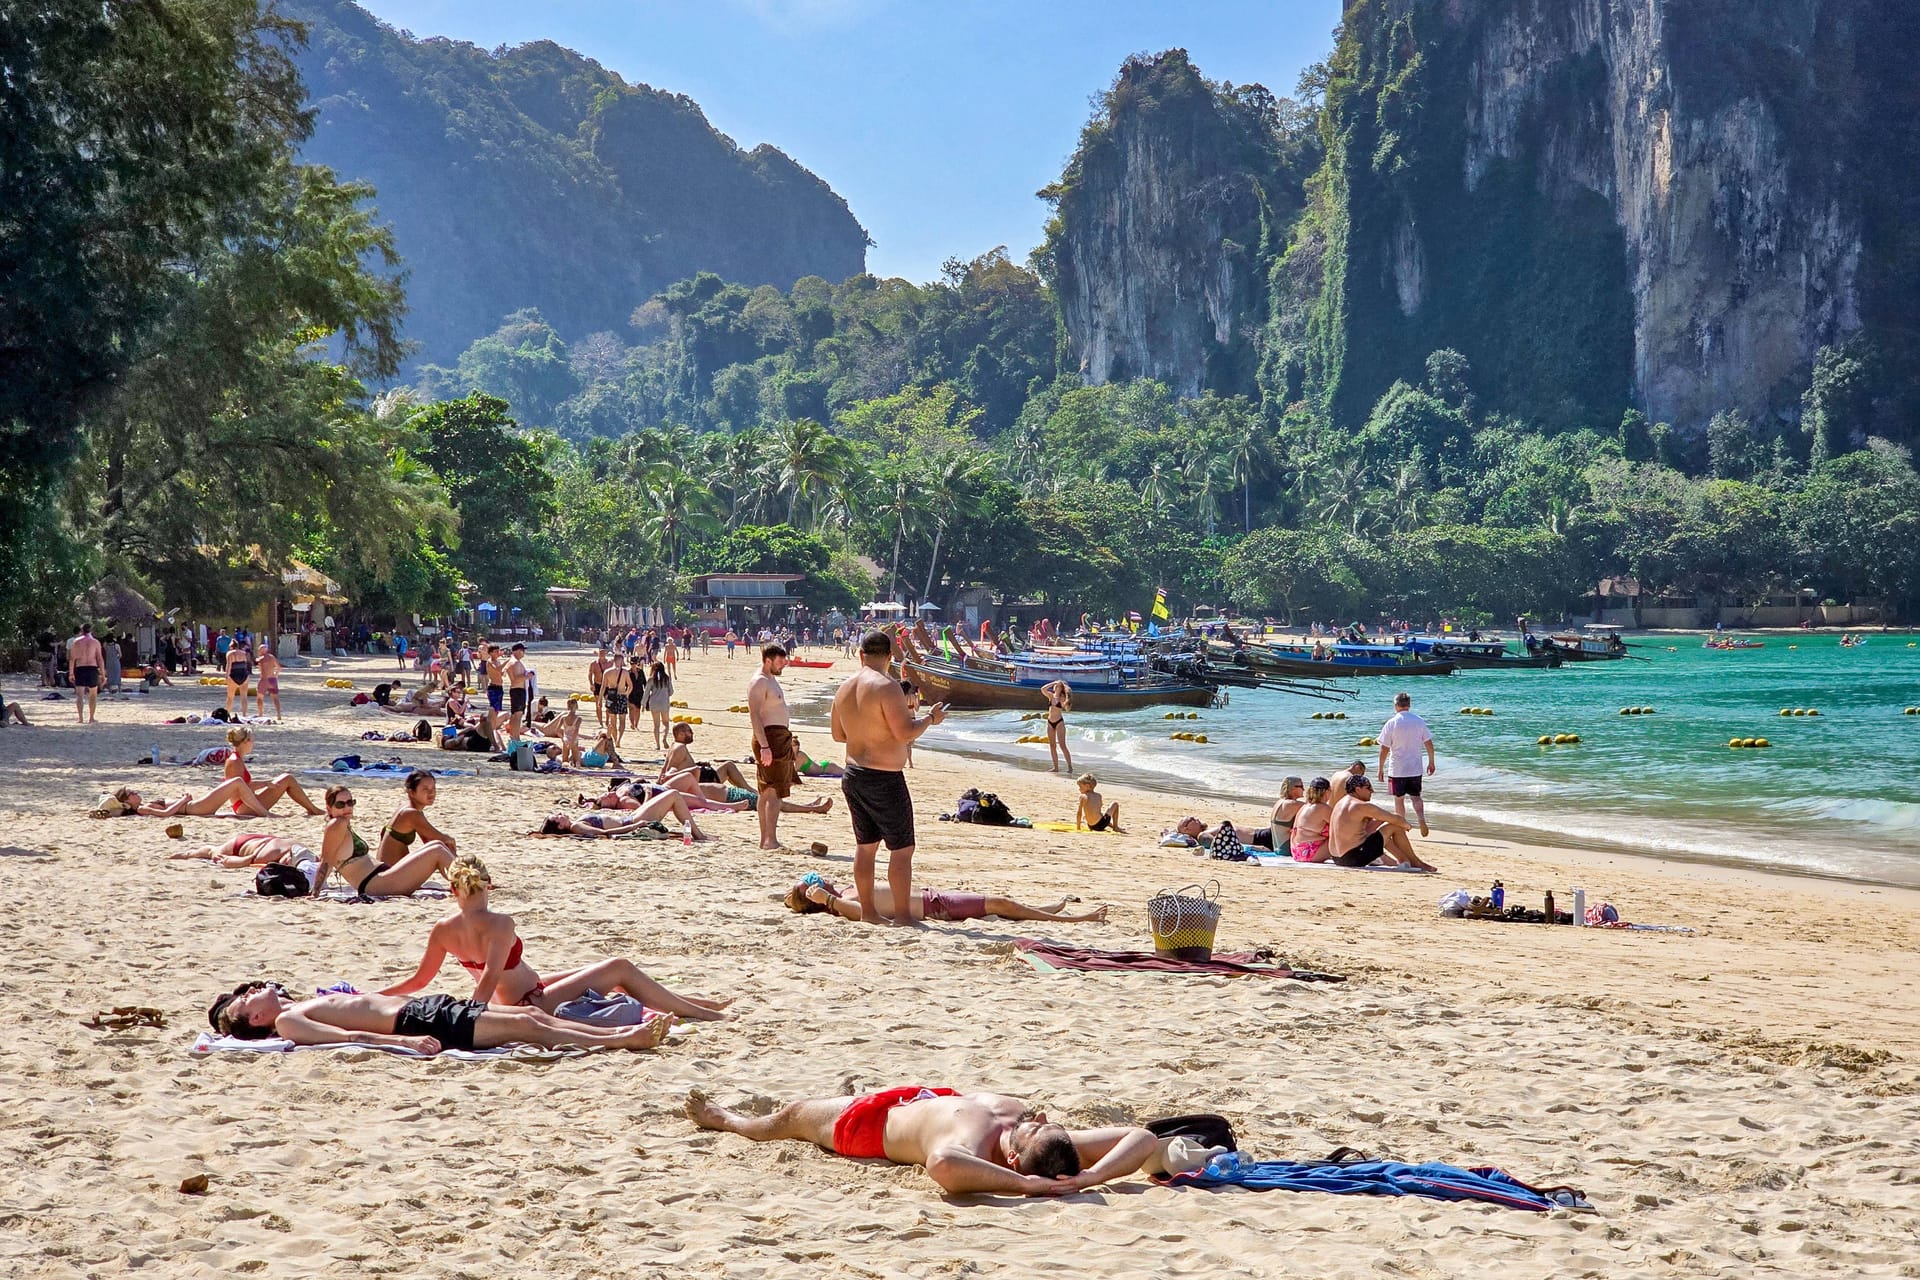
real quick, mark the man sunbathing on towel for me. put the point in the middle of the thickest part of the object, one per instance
(969, 1143)
(814, 892)
(426, 1024)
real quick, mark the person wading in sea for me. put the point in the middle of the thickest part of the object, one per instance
(870, 715)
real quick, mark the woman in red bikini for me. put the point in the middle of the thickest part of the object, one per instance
(263, 798)
(485, 943)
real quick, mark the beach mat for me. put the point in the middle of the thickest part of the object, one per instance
(381, 770)
(1068, 829)
(1051, 957)
(1288, 860)
(342, 893)
(207, 1043)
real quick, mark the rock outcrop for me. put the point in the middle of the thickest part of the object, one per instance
(1659, 202)
(534, 177)
(1164, 222)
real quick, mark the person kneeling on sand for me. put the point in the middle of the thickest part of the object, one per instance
(425, 1024)
(1362, 833)
(982, 1143)
(486, 944)
(814, 892)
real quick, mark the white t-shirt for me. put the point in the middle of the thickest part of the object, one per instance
(1405, 737)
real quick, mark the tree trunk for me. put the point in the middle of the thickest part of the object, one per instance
(893, 570)
(938, 533)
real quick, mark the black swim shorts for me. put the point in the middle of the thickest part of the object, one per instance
(1368, 850)
(452, 1022)
(1404, 786)
(86, 677)
(517, 700)
(880, 805)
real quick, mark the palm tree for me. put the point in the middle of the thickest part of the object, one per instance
(1248, 454)
(1342, 496)
(952, 487)
(805, 459)
(678, 505)
(1407, 498)
(732, 463)
(1161, 486)
(1207, 476)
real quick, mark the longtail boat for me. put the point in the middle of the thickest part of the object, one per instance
(1594, 643)
(1019, 689)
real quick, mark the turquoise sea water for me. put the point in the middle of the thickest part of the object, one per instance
(1836, 795)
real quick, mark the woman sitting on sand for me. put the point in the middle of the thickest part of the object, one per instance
(485, 943)
(411, 821)
(1308, 836)
(596, 826)
(240, 739)
(345, 854)
(257, 850)
(814, 892)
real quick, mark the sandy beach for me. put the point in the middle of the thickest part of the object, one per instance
(1738, 1101)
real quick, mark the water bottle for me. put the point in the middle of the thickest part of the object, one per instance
(1580, 907)
(1551, 917)
(1499, 896)
(153, 754)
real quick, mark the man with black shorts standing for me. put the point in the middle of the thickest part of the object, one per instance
(518, 676)
(85, 658)
(870, 715)
(1402, 739)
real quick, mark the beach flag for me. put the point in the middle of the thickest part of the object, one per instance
(1160, 603)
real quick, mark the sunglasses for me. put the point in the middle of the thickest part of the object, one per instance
(343, 804)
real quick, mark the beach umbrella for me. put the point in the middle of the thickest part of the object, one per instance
(928, 606)
(111, 598)
(487, 607)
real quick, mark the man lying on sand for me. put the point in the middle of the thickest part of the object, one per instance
(969, 1144)
(814, 892)
(426, 1024)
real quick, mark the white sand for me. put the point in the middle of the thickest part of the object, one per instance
(1739, 1102)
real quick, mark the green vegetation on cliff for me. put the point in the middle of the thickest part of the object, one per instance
(534, 177)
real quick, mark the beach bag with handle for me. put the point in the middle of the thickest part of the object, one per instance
(1184, 921)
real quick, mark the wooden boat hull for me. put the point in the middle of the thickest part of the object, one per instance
(1511, 662)
(1585, 655)
(1280, 664)
(974, 692)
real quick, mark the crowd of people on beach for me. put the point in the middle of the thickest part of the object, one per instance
(978, 1143)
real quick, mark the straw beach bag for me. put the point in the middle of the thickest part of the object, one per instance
(1184, 921)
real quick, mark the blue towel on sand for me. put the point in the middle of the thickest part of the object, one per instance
(1377, 1178)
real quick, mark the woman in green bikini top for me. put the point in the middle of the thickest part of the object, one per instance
(396, 838)
(343, 852)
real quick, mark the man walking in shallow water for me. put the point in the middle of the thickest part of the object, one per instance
(871, 716)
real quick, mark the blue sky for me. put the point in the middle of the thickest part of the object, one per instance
(937, 120)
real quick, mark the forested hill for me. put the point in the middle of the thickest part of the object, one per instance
(534, 177)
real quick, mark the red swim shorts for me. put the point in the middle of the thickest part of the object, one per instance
(860, 1132)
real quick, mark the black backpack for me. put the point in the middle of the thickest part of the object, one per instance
(422, 731)
(277, 880)
(993, 811)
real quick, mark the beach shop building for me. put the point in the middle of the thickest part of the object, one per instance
(722, 600)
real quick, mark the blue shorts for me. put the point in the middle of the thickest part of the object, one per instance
(496, 696)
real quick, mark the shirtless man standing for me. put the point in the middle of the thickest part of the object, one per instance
(425, 1024)
(516, 673)
(870, 715)
(976, 1143)
(1360, 832)
(491, 663)
(775, 757)
(85, 660)
(595, 670)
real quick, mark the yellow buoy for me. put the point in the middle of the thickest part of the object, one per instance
(1793, 646)
(1319, 715)
(1812, 711)
(1786, 711)
(1761, 742)
(1544, 740)
(1200, 737)
(1339, 715)
(1736, 742)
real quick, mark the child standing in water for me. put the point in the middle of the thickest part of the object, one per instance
(1090, 814)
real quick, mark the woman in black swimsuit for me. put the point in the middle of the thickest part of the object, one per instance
(1059, 701)
(343, 852)
(411, 821)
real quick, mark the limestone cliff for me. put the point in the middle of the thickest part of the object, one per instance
(1669, 203)
(1164, 226)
